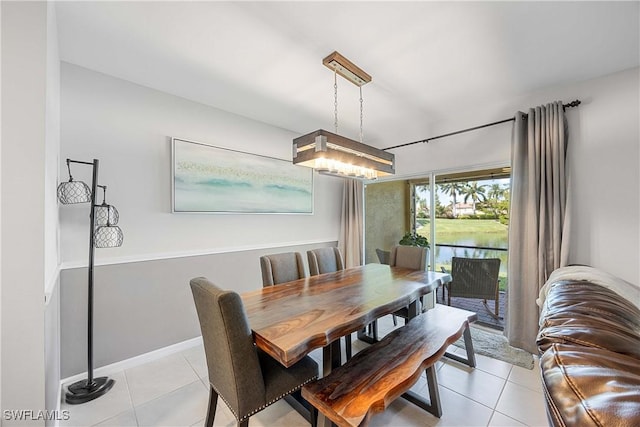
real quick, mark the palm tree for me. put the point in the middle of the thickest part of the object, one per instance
(475, 192)
(452, 189)
(496, 191)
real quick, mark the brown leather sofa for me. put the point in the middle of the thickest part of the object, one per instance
(589, 344)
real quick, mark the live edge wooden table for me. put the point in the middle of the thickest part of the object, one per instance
(292, 319)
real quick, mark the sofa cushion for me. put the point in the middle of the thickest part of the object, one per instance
(587, 386)
(587, 314)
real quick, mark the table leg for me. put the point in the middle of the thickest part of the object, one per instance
(331, 357)
(413, 309)
(369, 334)
(301, 406)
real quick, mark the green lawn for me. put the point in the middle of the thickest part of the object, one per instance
(467, 226)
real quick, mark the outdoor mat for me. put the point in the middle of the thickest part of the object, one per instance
(496, 346)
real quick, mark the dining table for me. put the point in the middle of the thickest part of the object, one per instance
(292, 319)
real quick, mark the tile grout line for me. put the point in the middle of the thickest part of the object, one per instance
(504, 383)
(135, 413)
(165, 395)
(192, 367)
(500, 397)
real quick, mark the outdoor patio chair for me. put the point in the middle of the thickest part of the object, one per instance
(475, 278)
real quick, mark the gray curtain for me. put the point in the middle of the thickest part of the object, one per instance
(350, 240)
(539, 219)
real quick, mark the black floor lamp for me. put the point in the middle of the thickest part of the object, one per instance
(103, 233)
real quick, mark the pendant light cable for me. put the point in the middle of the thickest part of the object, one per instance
(335, 100)
(361, 116)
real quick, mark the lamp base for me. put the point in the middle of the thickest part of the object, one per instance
(82, 391)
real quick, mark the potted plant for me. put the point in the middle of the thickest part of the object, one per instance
(414, 239)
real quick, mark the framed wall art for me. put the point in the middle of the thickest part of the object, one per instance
(210, 179)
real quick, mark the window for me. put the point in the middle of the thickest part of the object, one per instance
(470, 215)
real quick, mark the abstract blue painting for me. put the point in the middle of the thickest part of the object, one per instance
(220, 180)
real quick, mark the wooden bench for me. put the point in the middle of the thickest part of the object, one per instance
(377, 375)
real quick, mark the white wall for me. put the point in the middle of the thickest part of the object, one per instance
(24, 67)
(1, 117)
(51, 226)
(128, 128)
(604, 162)
(52, 149)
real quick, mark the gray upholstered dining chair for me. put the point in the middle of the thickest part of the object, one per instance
(325, 260)
(328, 260)
(383, 256)
(246, 378)
(413, 257)
(281, 268)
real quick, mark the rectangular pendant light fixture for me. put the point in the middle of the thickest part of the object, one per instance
(332, 154)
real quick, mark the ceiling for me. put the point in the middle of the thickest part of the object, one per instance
(428, 60)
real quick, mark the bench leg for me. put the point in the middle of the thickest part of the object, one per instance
(434, 393)
(468, 346)
(434, 406)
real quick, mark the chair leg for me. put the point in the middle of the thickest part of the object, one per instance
(448, 296)
(313, 416)
(211, 410)
(395, 320)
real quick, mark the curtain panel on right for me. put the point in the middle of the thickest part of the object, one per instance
(539, 219)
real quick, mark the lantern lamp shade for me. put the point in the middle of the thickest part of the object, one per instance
(333, 154)
(106, 215)
(108, 236)
(72, 192)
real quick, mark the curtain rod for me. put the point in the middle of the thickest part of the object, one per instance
(564, 107)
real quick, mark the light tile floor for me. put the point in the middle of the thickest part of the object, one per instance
(173, 391)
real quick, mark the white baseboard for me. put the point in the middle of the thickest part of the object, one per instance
(134, 361)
